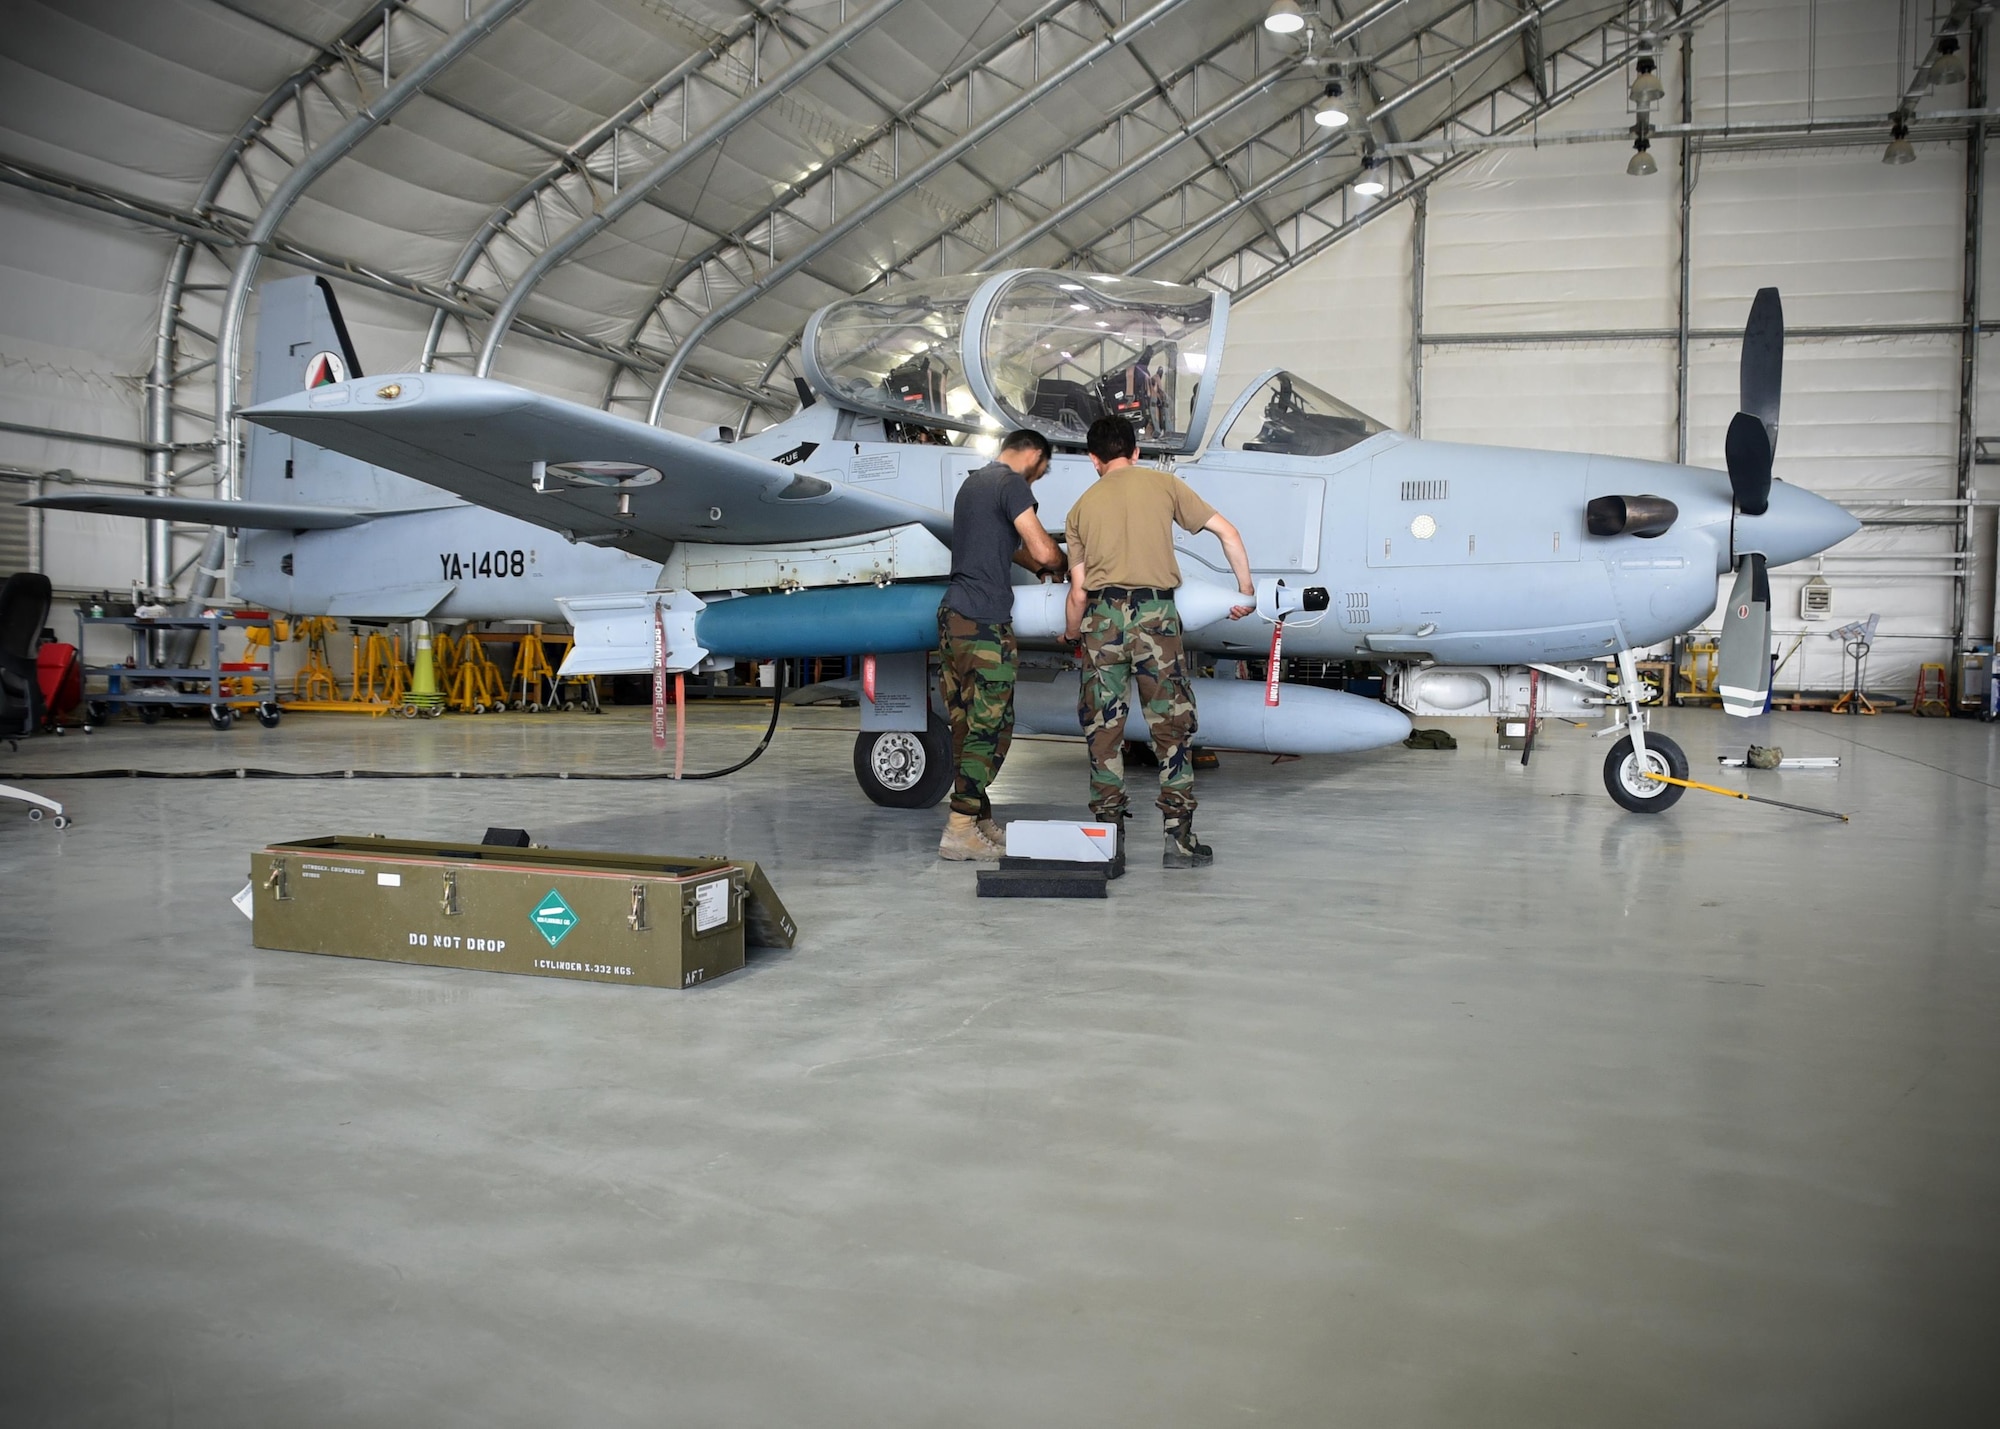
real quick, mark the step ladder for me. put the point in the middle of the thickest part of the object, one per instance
(1933, 692)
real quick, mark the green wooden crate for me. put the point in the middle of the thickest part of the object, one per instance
(598, 917)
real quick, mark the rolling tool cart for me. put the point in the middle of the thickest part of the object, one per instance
(150, 688)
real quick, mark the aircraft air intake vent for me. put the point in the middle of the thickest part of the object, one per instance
(1426, 490)
(1357, 607)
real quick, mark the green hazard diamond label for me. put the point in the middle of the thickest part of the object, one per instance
(553, 918)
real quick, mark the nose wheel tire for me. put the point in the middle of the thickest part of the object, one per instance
(905, 769)
(1626, 782)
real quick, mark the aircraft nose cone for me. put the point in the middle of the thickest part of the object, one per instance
(1799, 524)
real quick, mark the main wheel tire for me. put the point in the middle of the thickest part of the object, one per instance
(1631, 789)
(905, 769)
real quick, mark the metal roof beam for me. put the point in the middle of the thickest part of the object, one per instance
(228, 232)
(338, 146)
(840, 162)
(944, 157)
(1470, 55)
(739, 114)
(1584, 70)
(1190, 129)
(576, 160)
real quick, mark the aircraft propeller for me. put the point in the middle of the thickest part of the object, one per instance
(1744, 676)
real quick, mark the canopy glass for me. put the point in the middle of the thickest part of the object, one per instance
(1033, 348)
(1287, 415)
(897, 353)
(1059, 350)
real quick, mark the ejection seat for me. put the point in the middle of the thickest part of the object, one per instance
(917, 387)
(1068, 405)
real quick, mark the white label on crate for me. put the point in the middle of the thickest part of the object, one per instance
(389, 880)
(711, 904)
(244, 900)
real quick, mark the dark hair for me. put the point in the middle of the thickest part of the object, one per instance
(1111, 438)
(1025, 439)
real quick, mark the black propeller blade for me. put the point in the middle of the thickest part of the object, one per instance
(1747, 447)
(1744, 680)
(1752, 440)
(1761, 376)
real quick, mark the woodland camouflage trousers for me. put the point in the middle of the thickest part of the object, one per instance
(977, 663)
(1126, 640)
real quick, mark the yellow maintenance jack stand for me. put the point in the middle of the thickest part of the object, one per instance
(423, 697)
(315, 681)
(380, 676)
(534, 677)
(475, 685)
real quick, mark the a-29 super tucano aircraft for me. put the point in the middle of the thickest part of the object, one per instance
(1458, 568)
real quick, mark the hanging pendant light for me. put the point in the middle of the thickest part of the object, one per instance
(1950, 66)
(1331, 113)
(1647, 90)
(1284, 18)
(1899, 150)
(1643, 162)
(1370, 185)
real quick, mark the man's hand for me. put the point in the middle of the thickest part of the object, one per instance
(1239, 562)
(1073, 605)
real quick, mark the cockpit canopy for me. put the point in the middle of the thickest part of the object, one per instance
(1033, 348)
(1286, 415)
(897, 353)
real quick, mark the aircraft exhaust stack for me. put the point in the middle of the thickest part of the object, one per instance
(1643, 516)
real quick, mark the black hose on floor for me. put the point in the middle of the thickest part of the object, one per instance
(770, 730)
(777, 704)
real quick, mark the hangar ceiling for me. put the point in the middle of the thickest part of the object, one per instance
(656, 184)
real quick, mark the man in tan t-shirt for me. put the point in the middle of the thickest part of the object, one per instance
(1123, 575)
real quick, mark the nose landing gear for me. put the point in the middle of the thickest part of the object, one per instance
(1640, 753)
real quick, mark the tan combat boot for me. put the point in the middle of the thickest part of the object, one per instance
(964, 843)
(996, 833)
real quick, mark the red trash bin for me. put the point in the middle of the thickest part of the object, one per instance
(59, 672)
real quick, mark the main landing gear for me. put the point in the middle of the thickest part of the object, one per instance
(905, 769)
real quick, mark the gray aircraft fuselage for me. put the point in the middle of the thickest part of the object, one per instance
(1456, 553)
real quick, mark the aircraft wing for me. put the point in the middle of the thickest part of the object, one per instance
(483, 440)
(251, 515)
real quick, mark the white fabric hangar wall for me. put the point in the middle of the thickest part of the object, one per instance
(1524, 246)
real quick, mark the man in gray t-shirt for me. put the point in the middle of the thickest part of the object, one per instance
(994, 526)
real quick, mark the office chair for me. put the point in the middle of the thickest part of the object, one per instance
(24, 610)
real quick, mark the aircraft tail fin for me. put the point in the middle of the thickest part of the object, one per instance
(303, 343)
(302, 339)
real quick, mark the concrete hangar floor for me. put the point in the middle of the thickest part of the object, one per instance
(1451, 1095)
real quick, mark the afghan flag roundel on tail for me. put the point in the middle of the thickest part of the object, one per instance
(324, 368)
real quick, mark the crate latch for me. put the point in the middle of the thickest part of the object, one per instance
(281, 889)
(637, 917)
(450, 903)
